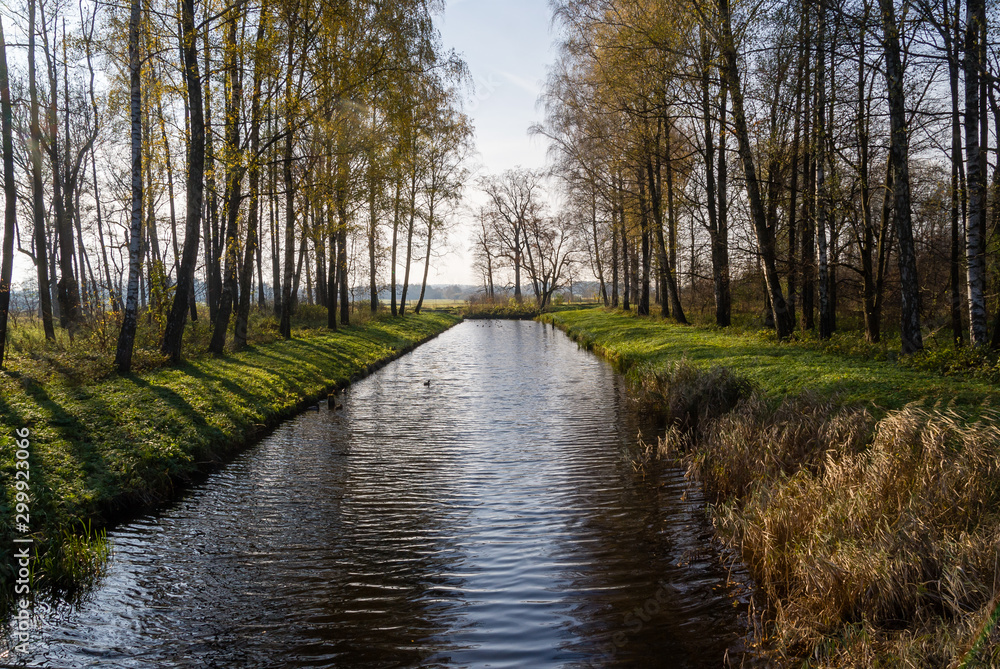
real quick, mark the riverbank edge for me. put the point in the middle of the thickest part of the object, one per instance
(782, 475)
(158, 433)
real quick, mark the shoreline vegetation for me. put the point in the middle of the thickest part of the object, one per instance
(863, 495)
(105, 449)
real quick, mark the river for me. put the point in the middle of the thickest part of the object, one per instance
(488, 519)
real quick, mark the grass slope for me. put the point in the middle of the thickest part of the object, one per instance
(123, 443)
(636, 344)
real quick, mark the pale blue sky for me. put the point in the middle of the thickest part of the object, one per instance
(507, 45)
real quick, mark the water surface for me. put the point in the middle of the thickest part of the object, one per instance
(488, 519)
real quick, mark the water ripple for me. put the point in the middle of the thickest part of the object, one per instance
(488, 519)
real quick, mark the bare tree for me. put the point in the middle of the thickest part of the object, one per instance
(514, 198)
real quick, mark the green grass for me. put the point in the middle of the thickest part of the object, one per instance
(103, 449)
(637, 344)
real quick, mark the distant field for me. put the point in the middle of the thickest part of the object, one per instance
(443, 303)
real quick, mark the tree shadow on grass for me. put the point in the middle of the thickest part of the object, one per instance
(341, 353)
(336, 357)
(10, 417)
(247, 404)
(83, 446)
(175, 400)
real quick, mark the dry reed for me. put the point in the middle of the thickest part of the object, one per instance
(873, 543)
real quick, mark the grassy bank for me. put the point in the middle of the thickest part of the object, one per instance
(635, 345)
(120, 444)
(862, 495)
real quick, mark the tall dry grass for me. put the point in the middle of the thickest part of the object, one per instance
(873, 543)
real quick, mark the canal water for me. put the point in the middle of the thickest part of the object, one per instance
(489, 519)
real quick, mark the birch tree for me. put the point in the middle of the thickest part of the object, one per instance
(126, 337)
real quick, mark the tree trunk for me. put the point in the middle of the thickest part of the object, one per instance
(213, 250)
(287, 294)
(113, 295)
(825, 324)
(252, 245)
(642, 309)
(234, 183)
(670, 275)
(912, 339)
(307, 235)
(634, 270)
(392, 261)
(427, 258)
(38, 193)
(866, 245)
(332, 277)
(626, 268)
(717, 233)
(342, 220)
(126, 337)
(793, 195)
(614, 254)
(533, 272)
(151, 237)
(975, 241)
(409, 244)
(955, 260)
(668, 290)
(372, 235)
(273, 223)
(597, 250)
(67, 288)
(808, 238)
(261, 298)
(319, 246)
(10, 193)
(87, 292)
(285, 322)
(517, 263)
(71, 195)
(297, 276)
(195, 190)
(652, 174)
(883, 249)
